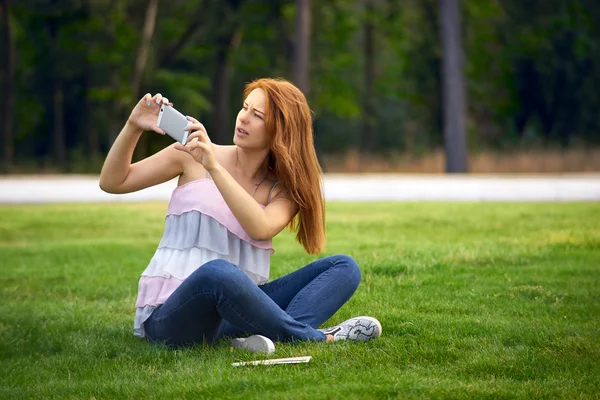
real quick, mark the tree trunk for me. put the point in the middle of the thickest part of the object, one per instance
(58, 126)
(453, 88)
(222, 89)
(228, 40)
(7, 108)
(116, 114)
(92, 134)
(57, 106)
(142, 148)
(142, 53)
(369, 80)
(302, 46)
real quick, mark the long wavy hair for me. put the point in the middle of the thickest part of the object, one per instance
(293, 158)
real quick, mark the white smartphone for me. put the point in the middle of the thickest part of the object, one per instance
(173, 123)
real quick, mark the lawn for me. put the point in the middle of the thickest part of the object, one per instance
(476, 300)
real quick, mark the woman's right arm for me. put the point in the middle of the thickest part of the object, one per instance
(118, 175)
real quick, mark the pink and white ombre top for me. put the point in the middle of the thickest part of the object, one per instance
(199, 227)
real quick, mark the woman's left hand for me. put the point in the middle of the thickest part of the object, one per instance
(199, 145)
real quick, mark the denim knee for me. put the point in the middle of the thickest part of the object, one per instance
(215, 271)
(349, 266)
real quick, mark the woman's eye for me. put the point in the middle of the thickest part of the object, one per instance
(258, 116)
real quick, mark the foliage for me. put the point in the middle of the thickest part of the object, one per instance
(532, 69)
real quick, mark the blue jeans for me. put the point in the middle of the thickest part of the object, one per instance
(218, 300)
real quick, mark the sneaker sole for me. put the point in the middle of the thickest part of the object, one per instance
(255, 344)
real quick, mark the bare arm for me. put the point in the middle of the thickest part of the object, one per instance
(259, 223)
(118, 175)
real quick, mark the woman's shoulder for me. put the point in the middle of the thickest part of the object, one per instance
(274, 188)
(224, 153)
(224, 148)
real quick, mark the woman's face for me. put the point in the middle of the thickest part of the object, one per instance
(250, 129)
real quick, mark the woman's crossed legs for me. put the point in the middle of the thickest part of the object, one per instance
(218, 299)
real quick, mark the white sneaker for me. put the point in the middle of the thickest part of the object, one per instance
(255, 344)
(359, 329)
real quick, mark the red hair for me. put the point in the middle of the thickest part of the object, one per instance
(293, 158)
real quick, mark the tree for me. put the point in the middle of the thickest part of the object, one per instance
(196, 22)
(142, 53)
(382, 75)
(302, 46)
(227, 40)
(140, 63)
(453, 88)
(368, 113)
(57, 85)
(8, 75)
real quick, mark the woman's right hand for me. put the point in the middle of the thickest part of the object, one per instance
(145, 114)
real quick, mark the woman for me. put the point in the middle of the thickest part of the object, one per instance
(208, 277)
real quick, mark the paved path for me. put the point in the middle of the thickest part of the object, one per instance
(394, 187)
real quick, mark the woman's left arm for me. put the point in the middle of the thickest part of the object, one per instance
(259, 223)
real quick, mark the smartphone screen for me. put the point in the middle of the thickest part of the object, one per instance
(173, 123)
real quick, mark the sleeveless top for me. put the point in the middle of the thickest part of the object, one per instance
(199, 227)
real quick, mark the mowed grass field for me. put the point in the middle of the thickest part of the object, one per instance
(476, 300)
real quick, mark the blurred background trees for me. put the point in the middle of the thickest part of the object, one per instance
(71, 70)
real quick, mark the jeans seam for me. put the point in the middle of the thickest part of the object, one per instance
(242, 317)
(182, 305)
(279, 288)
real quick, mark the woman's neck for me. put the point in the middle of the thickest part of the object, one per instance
(254, 164)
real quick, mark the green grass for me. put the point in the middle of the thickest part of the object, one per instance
(476, 300)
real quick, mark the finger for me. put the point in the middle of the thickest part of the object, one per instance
(157, 129)
(191, 142)
(158, 98)
(199, 145)
(146, 100)
(199, 135)
(195, 134)
(198, 127)
(180, 147)
(165, 100)
(194, 120)
(194, 143)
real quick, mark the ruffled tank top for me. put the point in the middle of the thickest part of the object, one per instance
(199, 227)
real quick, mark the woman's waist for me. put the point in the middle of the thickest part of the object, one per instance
(197, 229)
(168, 270)
(180, 263)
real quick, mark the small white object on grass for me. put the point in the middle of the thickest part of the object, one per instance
(274, 361)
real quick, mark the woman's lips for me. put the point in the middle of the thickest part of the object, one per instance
(240, 132)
